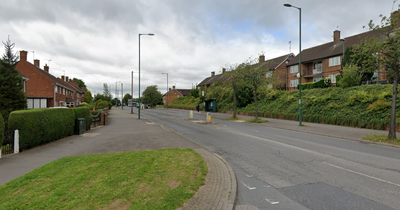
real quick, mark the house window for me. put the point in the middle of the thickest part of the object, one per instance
(269, 74)
(294, 83)
(335, 61)
(294, 69)
(64, 92)
(333, 77)
(56, 89)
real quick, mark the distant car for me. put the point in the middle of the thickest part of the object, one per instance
(144, 106)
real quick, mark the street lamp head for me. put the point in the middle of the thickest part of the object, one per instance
(150, 34)
(287, 5)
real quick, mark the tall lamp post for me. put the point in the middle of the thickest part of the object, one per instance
(300, 111)
(167, 88)
(132, 93)
(149, 34)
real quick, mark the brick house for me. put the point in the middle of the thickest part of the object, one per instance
(277, 66)
(42, 89)
(77, 96)
(324, 61)
(173, 94)
(209, 81)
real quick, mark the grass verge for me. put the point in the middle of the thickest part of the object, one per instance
(158, 179)
(381, 138)
(256, 121)
(235, 118)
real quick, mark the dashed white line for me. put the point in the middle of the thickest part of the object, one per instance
(249, 175)
(272, 202)
(250, 188)
(398, 185)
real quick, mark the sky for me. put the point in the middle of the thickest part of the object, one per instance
(98, 40)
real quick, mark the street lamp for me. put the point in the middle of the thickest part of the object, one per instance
(149, 34)
(167, 88)
(289, 5)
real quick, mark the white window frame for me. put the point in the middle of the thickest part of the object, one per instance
(333, 77)
(334, 61)
(56, 89)
(294, 69)
(294, 83)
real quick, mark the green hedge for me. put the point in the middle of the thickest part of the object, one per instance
(1, 130)
(40, 126)
(84, 112)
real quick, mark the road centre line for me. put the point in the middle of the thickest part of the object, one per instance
(272, 202)
(361, 174)
(248, 187)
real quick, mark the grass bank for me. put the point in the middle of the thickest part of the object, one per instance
(158, 179)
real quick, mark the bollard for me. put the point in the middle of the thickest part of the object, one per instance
(16, 141)
(191, 114)
(208, 117)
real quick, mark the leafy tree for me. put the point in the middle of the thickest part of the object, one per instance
(12, 96)
(106, 92)
(88, 97)
(126, 97)
(195, 92)
(387, 47)
(151, 95)
(80, 82)
(350, 76)
(348, 53)
(254, 74)
(99, 96)
(114, 101)
(235, 76)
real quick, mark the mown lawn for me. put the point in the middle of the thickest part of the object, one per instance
(158, 179)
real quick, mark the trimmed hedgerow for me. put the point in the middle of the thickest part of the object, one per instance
(84, 112)
(40, 126)
(1, 130)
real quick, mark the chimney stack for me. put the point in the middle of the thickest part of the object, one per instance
(223, 70)
(173, 87)
(336, 37)
(169, 89)
(212, 73)
(23, 55)
(46, 68)
(66, 79)
(261, 59)
(62, 78)
(36, 62)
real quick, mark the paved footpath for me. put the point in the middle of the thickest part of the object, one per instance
(126, 133)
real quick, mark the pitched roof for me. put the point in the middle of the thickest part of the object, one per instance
(184, 92)
(212, 79)
(328, 50)
(276, 62)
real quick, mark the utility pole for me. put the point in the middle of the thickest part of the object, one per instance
(122, 95)
(132, 94)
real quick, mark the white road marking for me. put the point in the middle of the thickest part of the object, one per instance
(249, 176)
(248, 187)
(272, 202)
(398, 185)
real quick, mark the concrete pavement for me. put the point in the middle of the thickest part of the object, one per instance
(126, 133)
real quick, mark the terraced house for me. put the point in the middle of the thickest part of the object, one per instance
(43, 89)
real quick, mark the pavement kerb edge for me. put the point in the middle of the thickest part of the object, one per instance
(233, 193)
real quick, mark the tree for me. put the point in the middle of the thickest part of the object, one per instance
(387, 47)
(234, 77)
(195, 92)
(106, 92)
(151, 94)
(88, 97)
(12, 96)
(126, 97)
(350, 76)
(254, 74)
(80, 82)
(99, 96)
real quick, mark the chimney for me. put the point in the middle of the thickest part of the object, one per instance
(62, 78)
(23, 55)
(212, 73)
(173, 87)
(169, 89)
(223, 70)
(36, 62)
(261, 59)
(66, 79)
(46, 68)
(336, 37)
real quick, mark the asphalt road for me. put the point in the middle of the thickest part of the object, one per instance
(281, 169)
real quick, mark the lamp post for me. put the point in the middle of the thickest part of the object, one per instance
(149, 34)
(132, 93)
(167, 88)
(300, 111)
